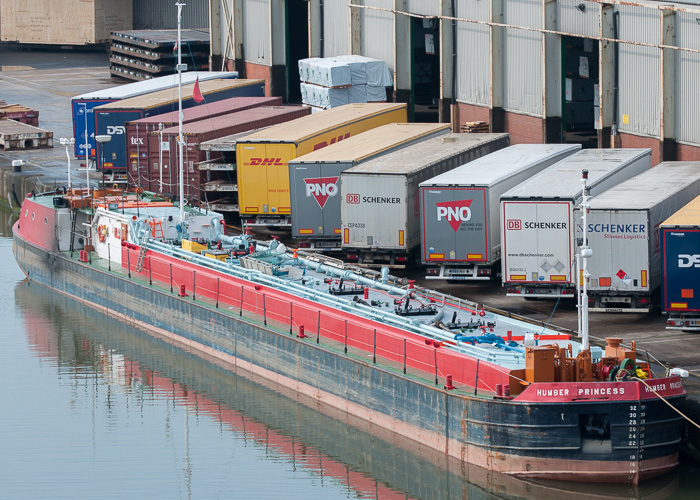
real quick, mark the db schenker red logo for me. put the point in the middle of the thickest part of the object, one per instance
(455, 212)
(321, 189)
(514, 224)
(352, 199)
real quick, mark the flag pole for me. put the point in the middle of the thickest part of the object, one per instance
(181, 177)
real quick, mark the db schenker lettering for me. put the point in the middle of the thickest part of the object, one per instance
(380, 199)
(617, 228)
(545, 225)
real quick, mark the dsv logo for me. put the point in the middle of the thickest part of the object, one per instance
(687, 260)
(116, 130)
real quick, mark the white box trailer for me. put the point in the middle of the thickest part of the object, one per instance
(460, 231)
(379, 209)
(315, 178)
(623, 233)
(537, 219)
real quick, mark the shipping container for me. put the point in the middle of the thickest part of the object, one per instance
(194, 134)
(82, 105)
(315, 185)
(623, 233)
(680, 268)
(110, 119)
(389, 186)
(537, 219)
(460, 221)
(262, 158)
(137, 131)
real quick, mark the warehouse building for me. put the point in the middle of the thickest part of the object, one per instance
(604, 73)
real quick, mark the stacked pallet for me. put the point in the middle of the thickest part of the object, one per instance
(15, 135)
(333, 81)
(475, 128)
(19, 112)
(146, 54)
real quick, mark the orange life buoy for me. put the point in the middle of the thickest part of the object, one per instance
(101, 233)
(116, 232)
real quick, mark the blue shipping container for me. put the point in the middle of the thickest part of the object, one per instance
(680, 259)
(111, 119)
(85, 103)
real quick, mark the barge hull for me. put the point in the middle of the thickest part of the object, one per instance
(530, 440)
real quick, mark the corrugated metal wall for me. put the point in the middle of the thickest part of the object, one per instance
(640, 72)
(336, 28)
(162, 14)
(522, 61)
(575, 21)
(256, 31)
(378, 31)
(425, 7)
(687, 103)
(473, 68)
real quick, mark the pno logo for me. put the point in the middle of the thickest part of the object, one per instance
(687, 260)
(321, 189)
(266, 161)
(352, 198)
(514, 224)
(455, 212)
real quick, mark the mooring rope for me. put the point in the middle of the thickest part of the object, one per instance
(669, 404)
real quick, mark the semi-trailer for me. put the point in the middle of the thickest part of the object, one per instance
(82, 105)
(680, 268)
(537, 219)
(315, 178)
(623, 234)
(262, 158)
(380, 202)
(110, 119)
(460, 224)
(163, 145)
(137, 131)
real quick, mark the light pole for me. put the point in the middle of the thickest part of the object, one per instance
(102, 139)
(67, 142)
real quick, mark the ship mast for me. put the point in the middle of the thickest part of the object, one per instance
(180, 67)
(586, 252)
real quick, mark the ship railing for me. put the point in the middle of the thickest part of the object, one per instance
(339, 324)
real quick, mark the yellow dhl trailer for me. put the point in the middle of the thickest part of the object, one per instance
(262, 157)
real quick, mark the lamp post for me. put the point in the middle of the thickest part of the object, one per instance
(67, 142)
(102, 139)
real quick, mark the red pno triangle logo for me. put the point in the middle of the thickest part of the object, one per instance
(321, 188)
(455, 212)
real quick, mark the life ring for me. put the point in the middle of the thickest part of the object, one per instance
(116, 233)
(101, 233)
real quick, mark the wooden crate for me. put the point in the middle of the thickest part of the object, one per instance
(63, 22)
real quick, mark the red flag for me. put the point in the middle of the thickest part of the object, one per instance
(196, 93)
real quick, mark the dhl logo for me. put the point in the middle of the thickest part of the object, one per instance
(323, 144)
(266, 161)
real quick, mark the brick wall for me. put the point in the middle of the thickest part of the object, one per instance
(688, 153)
(524, 129)
(471, 113)
(636, 141)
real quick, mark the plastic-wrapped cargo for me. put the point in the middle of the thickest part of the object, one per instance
(680, 268)
(380, 203)
(376, 94)
(330, 72)
(314, 179)
(460, 228)
(325, 97)
(537, 226)
(623, 224)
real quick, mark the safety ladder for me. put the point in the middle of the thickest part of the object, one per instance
(156, 228)
(142, 253)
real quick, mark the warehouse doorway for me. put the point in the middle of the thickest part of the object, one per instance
(580, 90)
(425, 69)
(297, 30)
